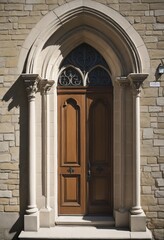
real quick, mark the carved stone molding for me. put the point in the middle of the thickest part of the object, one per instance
(31, 84)
(136, 81)
(45, 86)
(123, 82)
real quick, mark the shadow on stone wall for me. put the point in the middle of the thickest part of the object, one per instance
(17, 98)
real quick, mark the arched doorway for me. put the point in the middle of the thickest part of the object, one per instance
(125, 60)
(85, 141)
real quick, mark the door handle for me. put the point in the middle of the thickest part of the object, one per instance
(89, 170)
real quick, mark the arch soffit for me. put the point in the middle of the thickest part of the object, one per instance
(83, 20)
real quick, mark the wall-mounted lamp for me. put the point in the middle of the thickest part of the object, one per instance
(161, 67)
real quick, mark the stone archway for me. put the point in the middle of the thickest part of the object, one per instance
(49, 42)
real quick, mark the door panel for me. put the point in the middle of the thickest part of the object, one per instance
(71, 154)
(99, 112)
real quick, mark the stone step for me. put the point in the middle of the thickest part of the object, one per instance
(84, 233)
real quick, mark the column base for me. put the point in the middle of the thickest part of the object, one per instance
(46, 217)
(138, 222)
(31, 222)
(121, 218)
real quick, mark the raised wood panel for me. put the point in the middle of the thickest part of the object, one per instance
(99, 191)
(99, 130)
(70, 197)
(70, 119)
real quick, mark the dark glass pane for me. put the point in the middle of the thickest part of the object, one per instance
(84, 57)
(99, 77)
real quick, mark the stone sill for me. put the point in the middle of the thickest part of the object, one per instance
(84, 232)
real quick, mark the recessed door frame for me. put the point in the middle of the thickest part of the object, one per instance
(84, 170)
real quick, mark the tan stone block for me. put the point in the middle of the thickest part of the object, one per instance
(3, 175)
(125, 7)
(9, 166)
(152, 160)
(148, 200)
(148, 101)
(1, 208)
(160, 19)
(8, 52)
(4, 146)
(6, 128)
(158, 142)
(146, 190)
(11, 208)
(151, 92)
(15, 193)
(29, 19)
(148, 19)
(136, 13)
(147, 133)
(5, 157)
(140, 26)
(138, 6)
(13, 201)
(16, 7)
(145, 120)
(4, 201)
(5, 26)
(150, 39)
(11, 62)
(161, 151)
(155, 109)
(157, 6)
(11, 187)
(18, 13)
(156, 54)
(147, 179)
(13, 175)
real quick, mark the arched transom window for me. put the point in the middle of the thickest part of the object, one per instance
(84, 66)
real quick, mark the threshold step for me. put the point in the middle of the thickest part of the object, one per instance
(86, 220)
(84, 233)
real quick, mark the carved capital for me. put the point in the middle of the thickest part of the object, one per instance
(31, 84)
(123, 82)
(136, 81)
(45, 86)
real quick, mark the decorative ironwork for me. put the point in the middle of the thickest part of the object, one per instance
(70, 77)
(99, 77)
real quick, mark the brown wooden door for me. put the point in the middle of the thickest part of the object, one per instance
(84, 151)
(99, 156)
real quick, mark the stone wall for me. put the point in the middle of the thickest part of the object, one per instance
(17, 18)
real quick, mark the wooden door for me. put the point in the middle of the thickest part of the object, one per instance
(99, 156)
(84, 151)
(71, 153)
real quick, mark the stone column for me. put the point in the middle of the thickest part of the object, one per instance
(121, 214)
(31, 220)
(45, 214)
(138, 219)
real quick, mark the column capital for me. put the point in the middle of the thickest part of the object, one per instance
(31, 84)
(123, 82)
(45, 86)
(136, 81)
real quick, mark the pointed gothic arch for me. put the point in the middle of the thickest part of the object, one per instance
(50, 41)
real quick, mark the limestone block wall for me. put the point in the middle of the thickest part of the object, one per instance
(17, 18)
